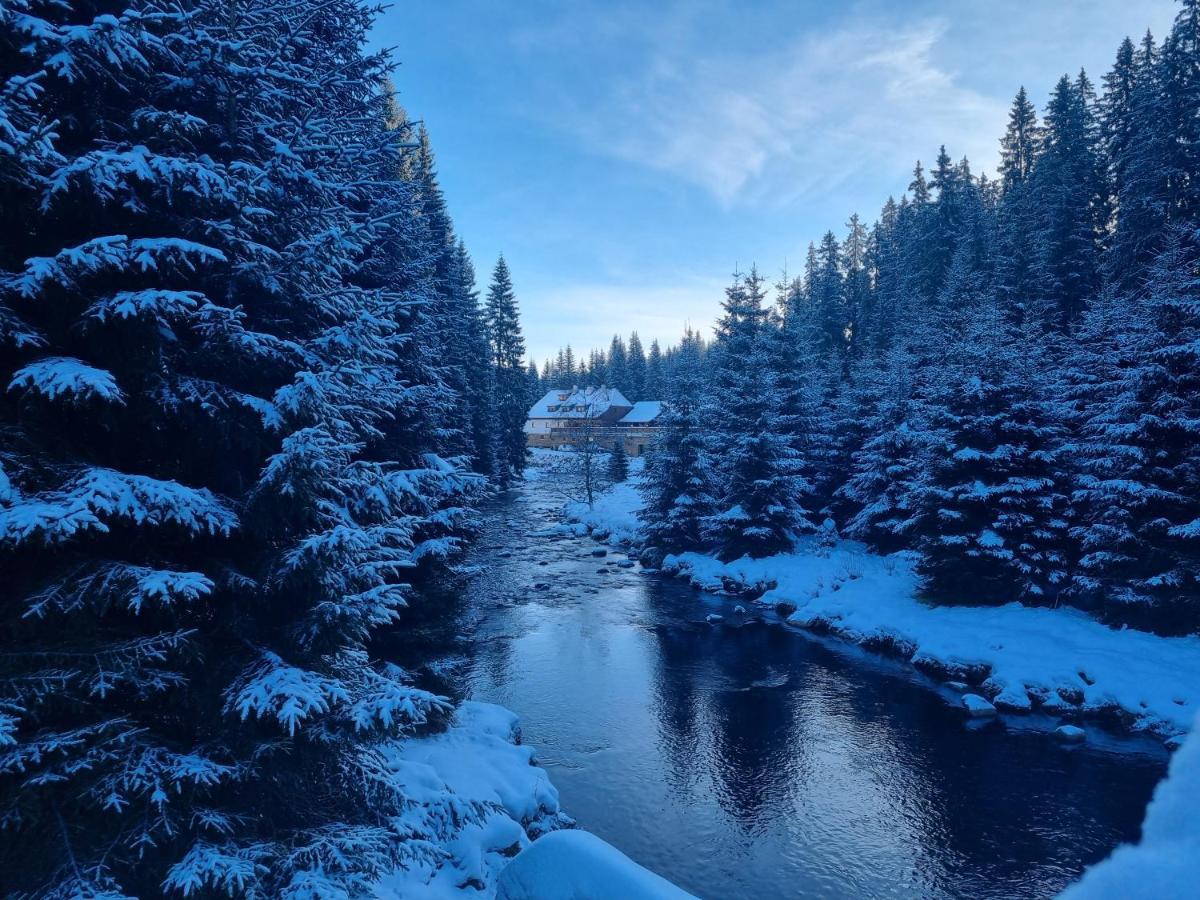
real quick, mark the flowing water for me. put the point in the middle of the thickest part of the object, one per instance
(748, 759)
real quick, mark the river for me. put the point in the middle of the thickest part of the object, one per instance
(748, 759)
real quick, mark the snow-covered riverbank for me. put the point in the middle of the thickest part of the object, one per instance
(1059, 660)
(476, 792)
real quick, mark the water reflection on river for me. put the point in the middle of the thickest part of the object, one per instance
(749, 760)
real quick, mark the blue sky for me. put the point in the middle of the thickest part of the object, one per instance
(626, 157)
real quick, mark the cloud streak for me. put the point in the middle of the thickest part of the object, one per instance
(771, 128)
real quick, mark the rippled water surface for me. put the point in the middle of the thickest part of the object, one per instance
(747, 759)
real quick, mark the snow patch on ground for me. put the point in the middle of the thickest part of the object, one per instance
(576, 865)
(1167, 861)
(481, 791)
(614, 515)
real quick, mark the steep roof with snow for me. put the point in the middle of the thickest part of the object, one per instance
(578, 403)
(643, 411)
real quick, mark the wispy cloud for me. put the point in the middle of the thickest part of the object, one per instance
(771, 127)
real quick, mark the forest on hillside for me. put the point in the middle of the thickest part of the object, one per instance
(1002, 374)
(250, 396)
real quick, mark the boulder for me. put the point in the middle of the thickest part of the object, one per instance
(1070, 734)
(651, 557)
(977, 707)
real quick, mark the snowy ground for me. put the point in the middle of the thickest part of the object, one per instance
(1166, 861)
(576, 865)
(481, 792)
(1060, 660)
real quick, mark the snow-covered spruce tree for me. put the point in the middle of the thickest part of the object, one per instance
(991, 502)
(795, 376)
(1070, 193)
(479, 381)
(618, 463)
(451, 341)
(758, 511)
(512, 398)
(884, 487)
(1138, 453)
(677, 484)
(616, 365)
(654, 372)
(206, 333)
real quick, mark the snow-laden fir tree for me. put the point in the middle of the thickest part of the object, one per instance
(210, 329)
(759, 510)
(635, 370)
(678, 481)
(1137, 374)
(618, 463)
(512, 397)
(991, 500)
(883, 491)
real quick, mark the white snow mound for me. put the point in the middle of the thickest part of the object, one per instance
(577, 865)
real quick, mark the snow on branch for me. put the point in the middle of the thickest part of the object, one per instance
(128, 585)
(390, 704)
(273, 689)
(71, 379)
(155, 774)
(97, 495)
(107, 174)
(111, 253)
(227, 868)
(152, 303)
(101, 48)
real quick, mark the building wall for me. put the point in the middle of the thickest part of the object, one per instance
(636, 439)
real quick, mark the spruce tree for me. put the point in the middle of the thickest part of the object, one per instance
(635, 369)
(210, 325)
(655, 376)
(479, 375)
(618, 463)
(678, 483)
(615, 370)
(1069, 184)
(512, 389)
(1138, 488)
(758, 510)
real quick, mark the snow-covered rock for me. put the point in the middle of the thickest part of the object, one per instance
(1167, 861)
(1070, 734)
(977, 707)
(577, 865)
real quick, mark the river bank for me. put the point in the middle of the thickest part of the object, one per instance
(747, 759)
(1056, 661)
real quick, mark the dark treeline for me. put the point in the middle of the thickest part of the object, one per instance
(247, 387)
(1003, 375)
(638, 373)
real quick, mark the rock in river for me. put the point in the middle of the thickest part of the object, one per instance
(1070, 734)
(977, 707)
